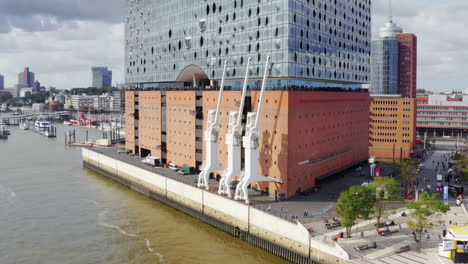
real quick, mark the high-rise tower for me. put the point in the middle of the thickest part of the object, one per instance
(407, 65)
(394, 61)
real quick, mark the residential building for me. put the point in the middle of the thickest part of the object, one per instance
(102, 102)
(118, 101)
(38, 107)
(26, 78)
(60, 98)
(392, 132)
(315, 116)
(102, 77)
(82, 102)
(407, 65)
(2, 82)
(443, 115)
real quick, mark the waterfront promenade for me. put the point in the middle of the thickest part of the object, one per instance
(283, 237)
(319, 205)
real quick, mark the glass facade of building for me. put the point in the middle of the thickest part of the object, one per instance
(384, 66)
(307, 40)
(102, 77)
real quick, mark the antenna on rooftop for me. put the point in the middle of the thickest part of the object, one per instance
(390, 17)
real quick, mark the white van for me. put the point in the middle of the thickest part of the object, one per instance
(173, 166)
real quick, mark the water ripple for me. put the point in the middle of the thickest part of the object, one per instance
(101, 222)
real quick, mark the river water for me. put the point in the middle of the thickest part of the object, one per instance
(52, 210)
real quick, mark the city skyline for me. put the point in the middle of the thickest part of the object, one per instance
(69, 39)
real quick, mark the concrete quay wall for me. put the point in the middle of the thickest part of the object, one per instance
(286, 239)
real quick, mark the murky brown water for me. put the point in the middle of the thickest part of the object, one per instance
(52, 210)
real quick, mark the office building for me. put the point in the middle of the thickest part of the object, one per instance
(442, 115)
(2, 82)
(392, 132)
(407, 65)
(26, 78)
(315, 116)
(394, 62)
(102, 77)
(384, 60)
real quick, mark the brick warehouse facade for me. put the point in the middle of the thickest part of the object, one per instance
(305, 135)
(392, 127)
(315, 116)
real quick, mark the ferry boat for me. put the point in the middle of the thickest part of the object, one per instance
(41, 124)
(83, 122)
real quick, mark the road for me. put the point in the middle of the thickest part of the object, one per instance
(437, 163)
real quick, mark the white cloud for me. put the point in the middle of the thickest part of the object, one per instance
(440, 26)
(60, 40)
(63, 57)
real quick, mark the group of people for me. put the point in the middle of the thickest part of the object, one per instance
(329, 225)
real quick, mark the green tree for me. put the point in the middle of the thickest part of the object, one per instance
(425, 212)
(5, 98)
(355, 203)
(407, 171)
(421, 91)
(385, 190)
(27, 95)
(461, 163)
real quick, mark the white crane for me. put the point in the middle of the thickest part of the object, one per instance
(211, 140)
(251, 138)
(233, 140)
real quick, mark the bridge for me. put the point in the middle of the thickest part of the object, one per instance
(13, 119)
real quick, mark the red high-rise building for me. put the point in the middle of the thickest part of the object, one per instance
(407, 65)
(26, 76)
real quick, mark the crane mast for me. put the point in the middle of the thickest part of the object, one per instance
(251, 139)
(211, 139)
(233, 141)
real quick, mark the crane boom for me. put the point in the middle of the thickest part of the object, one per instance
(244, 90)
(251, 139)
(211, 139)
(233, 141)
(220, 95)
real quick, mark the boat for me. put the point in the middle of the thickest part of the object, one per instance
(5, 130)
(24, 126)
(67, 123)
(42, 124)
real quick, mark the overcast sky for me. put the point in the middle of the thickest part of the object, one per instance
(60, 40)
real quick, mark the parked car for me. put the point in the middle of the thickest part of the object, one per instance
(421, 167)
(188, 170)
(182, 172)
(173, 166)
